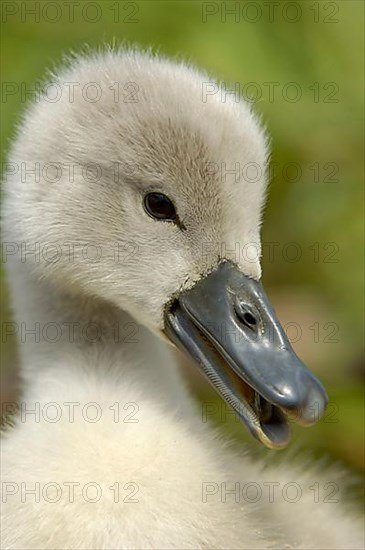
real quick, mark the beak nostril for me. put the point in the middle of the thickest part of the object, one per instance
(245, 314)
(249, 319)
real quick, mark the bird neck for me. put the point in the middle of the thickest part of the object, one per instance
(63, 337)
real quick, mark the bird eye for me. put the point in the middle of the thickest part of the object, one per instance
(159, 206)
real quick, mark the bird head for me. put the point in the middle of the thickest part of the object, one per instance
(150, 177)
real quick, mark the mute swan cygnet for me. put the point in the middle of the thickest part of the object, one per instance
(122, 208)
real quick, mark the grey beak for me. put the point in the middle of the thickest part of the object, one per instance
(226, 323)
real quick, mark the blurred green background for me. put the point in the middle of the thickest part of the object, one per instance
(302, 65)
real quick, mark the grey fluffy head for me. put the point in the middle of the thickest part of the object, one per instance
(125, 123)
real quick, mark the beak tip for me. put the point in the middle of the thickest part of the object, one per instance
(315, 405)
(304, 400)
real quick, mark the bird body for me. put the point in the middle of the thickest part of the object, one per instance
(109, 449)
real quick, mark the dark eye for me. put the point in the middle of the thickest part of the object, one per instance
(158, 206)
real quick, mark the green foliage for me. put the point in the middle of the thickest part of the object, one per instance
(321, 133)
